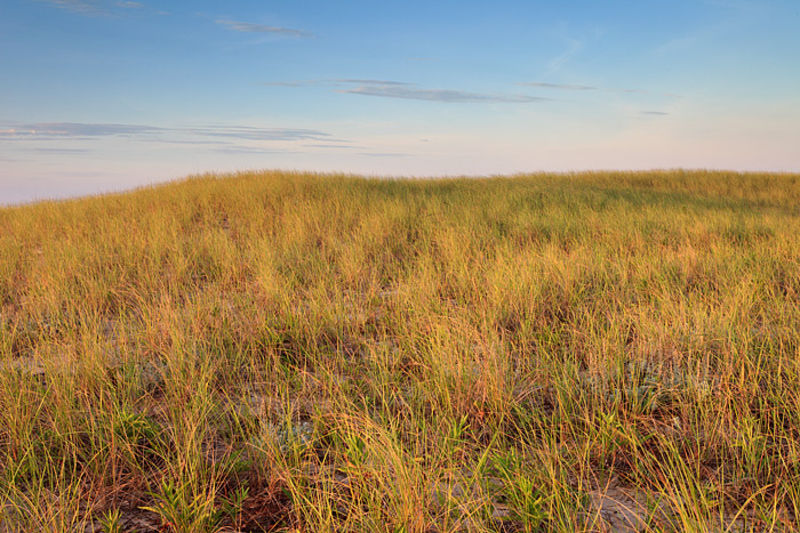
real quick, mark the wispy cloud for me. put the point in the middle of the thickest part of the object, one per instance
(74, 129)
(409, 91)
(84, 7)
(560, 60)
(190, 142)
(252, 150)
(580, 87)
(438, 95)
(655, 113)
(287, 83)
(373, 82)
(335, 146)
(342, 82)
(77, 130)
(60, 150)
(248, 27)
(260, 134)
(563, 86)
(95, 7)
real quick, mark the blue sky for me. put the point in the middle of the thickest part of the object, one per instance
(99, 95)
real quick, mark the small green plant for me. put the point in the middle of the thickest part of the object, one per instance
(457, 430)
(183, 512)
(355, 448)
(135, 428)
(611, 432)
(111, 521)
(232, 505)
(527, 503)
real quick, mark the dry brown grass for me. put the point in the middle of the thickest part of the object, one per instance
(299, 352)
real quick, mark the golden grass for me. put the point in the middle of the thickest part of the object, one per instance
(296, 352)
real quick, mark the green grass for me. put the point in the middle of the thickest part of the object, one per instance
(300, 352)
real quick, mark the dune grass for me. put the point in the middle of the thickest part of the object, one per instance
(295, 352)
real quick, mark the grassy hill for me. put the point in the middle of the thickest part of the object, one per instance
(299, 352)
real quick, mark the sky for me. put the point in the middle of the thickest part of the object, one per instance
(105, 95)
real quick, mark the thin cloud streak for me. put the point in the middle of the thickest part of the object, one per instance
(337, 146)
(563, 86)
(439, 95)
(60, 150)
(248, 27)
(191, 142)
(260, 134)
(579, 87)
(373, 82)
(95, 8)
(407, 91)
(78, 6)
(334, 82)
(76, 130)
(252, 150)
(287, 84)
